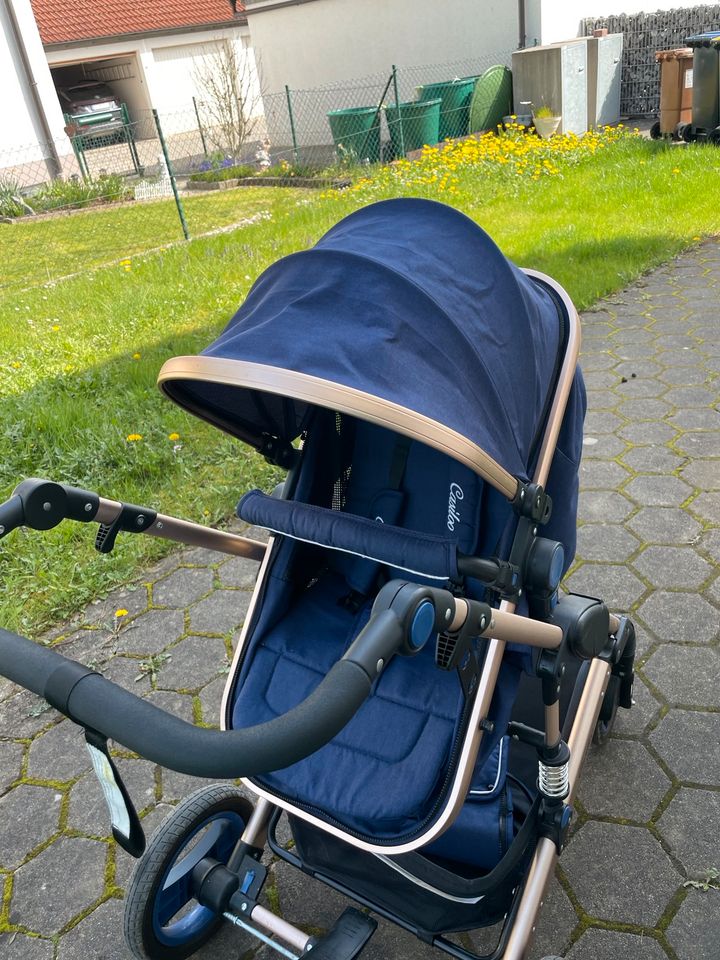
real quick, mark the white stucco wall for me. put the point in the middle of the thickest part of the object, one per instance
(560, 19)
(326, 41)
(20, 131)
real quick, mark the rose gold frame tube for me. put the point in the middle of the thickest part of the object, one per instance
(192, 534)
(545, 857)
(512, 628)
(280, 928)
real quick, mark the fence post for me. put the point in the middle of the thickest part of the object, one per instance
(292, 124)
(202, 134)
(178, 202)
(399, 111)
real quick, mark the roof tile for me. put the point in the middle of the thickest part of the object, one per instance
(64, 21)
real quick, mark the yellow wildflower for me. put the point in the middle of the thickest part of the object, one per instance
(136, 356)
(132, 437)
(122, 612)
(173, 436)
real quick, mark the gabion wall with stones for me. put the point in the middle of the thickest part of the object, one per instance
(645, 34)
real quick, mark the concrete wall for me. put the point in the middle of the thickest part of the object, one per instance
(560, 19)
(20, 130)
(325, 41)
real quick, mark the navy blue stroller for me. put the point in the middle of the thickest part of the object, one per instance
(411, 691)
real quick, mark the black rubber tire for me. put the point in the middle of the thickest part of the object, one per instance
(608, 712)
(714, 137)
(655, 131)
(686, 133)
(164, 846)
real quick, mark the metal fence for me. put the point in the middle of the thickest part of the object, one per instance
(645, 34)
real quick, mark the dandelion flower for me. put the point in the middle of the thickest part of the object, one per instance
(173, 436)
(16, 364)
(136, 356)
(133, 437)
(676, 170)
(55, 327)
(122, 612)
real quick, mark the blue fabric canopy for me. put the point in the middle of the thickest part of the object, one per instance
(407, 300)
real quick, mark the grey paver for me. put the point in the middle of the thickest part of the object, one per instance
(645, 709)
(686, 675)
(707, 507)
(194, 662)
(11, 755)
(690, 826)
(687, 741)
(183, 587)
(603, 506)
(152, 632)
(16, 946)
(618, 586)
(609, 945)
(658, 491)
(704, 474)
(59, 753)
(34, 813)
(654, 458)
(680, 617)
(664, 524)
(672, 567)
(605, 541)
(694, 932)
(620, 873)
(98, 936)
(632, 798)
(222, 612)
(43, 900)
(87, 811)
(238, 572)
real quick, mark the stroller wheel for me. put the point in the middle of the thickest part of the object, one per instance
(608, 712)
(163, 921)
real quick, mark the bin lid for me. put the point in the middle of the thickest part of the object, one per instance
(704, 39)
(679, 53)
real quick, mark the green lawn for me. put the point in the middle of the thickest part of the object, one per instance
(34, 252)
(72, 388)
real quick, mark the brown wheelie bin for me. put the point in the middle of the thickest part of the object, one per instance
(676, 91)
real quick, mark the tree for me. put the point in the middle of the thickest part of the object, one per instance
(228, 81)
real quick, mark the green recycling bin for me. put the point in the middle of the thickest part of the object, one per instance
(413, 124)
(455, 97)
(356, 133)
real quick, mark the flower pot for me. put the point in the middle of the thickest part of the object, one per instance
(546, 126)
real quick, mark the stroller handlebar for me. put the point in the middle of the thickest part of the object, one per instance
(97, 704)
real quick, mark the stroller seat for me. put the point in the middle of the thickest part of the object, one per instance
(385, 774)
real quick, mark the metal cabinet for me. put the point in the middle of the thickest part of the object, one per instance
(578, 79)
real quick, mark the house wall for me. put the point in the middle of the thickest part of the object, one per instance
(560, 19)
(20, 129)
(315, 43)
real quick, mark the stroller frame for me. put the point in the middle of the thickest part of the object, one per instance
(42, 504)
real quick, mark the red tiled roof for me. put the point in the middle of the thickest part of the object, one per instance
(64, 21)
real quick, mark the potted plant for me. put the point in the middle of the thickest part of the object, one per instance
(545, 121)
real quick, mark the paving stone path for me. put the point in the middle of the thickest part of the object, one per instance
(649, 803)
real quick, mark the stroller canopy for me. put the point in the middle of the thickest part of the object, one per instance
(405, 313)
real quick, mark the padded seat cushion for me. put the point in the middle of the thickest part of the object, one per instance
(373, 776)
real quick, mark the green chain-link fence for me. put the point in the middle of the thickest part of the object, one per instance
(149, 180)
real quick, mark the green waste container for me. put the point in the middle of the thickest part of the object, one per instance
(413, 124)
(356, 133)
(492, 99)
(455, 97)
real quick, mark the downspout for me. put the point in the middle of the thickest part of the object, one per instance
(53, 161)
(522, 38)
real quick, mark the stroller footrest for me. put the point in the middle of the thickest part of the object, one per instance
(347, 938)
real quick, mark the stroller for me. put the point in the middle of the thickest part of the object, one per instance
(411, 695)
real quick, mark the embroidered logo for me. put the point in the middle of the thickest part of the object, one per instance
(456, 494)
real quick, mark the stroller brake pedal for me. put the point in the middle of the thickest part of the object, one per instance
(347, 938)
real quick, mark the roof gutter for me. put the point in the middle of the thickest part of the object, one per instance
(53, 160)
(257, 7)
